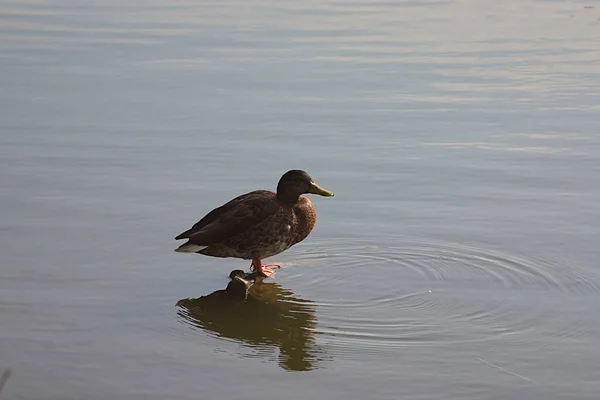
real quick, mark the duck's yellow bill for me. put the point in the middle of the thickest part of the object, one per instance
(316, 189)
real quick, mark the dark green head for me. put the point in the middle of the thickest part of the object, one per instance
(295, 183)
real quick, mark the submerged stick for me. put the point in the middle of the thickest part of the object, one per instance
(4, 378)
(505, 370)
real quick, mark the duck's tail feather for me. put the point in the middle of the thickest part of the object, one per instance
(184, 235)
(190, 248)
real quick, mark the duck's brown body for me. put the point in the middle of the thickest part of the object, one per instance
(258, 224)
(253, 225)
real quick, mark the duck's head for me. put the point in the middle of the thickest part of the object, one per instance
(295, 183)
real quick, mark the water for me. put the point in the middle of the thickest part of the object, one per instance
(458, 260)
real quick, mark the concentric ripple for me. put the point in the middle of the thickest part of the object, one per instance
(357, 299)
(409, 259)
(372, 297)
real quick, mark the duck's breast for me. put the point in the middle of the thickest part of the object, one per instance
(305, 218)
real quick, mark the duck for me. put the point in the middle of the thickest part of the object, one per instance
(258, 224)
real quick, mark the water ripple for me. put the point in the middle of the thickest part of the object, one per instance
(432, 261)
(360, 298)
(371, 297)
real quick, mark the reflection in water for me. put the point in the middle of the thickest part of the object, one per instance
(270, 316)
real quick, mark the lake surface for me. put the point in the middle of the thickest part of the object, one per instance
(458, 260)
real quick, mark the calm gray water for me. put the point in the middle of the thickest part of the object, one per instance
(458, 260)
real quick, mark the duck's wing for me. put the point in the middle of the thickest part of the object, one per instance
(232, 218)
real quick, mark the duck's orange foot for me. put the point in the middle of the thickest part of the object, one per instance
(271, 266)
(265, 270)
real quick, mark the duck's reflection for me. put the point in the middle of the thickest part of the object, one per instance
(259, 315)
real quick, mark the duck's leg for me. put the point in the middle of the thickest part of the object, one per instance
(265, 270)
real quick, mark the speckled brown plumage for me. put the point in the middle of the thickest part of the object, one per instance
(258, 224)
